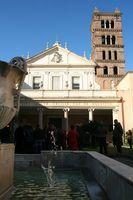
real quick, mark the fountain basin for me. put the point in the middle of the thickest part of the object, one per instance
(105, 178)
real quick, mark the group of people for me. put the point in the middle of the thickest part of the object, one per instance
(29, 140)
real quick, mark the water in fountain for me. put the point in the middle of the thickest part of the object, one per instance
(49, 174)
(49, 169)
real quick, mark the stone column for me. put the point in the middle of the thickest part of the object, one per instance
(40, 117)
(66, 110)
(90, 110)
(115, 113)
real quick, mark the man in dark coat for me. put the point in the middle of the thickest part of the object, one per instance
(117, 136)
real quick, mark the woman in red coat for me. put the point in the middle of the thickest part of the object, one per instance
(73, 137)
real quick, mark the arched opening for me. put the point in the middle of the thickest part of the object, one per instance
(112, 24)
(107, 24)
(102, 24)
(113, 39)
(105, 70)
(115, 55)
(108, 39)
(104, 55)
(109, 53)
(103, 39)
(115, 70)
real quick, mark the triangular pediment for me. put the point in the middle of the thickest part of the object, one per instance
(58, 55)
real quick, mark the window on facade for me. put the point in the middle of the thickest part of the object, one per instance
(109, 52)
(36, 82)
(115, 70)
(75, 82)
(112, 24)
(107, 24)
(102, 23)
(113, 39)
(115, 55)
(103, 39)
(105, 70)
(104, 56)
(55, 83)
(108, 39)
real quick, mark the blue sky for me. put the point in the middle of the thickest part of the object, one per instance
(27, 25)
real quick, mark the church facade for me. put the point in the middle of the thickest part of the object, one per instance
(64, 88)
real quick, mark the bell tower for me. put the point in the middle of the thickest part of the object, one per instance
(107, 48)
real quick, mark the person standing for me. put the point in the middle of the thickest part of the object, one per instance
(117, 136)
(102, 133)
(73, 139)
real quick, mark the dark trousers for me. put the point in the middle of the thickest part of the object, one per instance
(103, 145)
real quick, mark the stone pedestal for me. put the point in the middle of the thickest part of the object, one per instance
(6, 170)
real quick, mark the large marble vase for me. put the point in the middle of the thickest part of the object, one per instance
(11, 78)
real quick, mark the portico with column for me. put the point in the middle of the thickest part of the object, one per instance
(65, 119)
(40, 117)
(90, 116)
(115, 112)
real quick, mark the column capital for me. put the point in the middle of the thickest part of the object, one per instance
(40, 109)
(66, 109)
(91, 109)
(116, 109)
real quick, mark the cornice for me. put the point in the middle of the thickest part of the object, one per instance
(106, 30)
(110, 76)
(110, 61)
(107, 14)
(79, 99)
(112, 46)
(61, 66)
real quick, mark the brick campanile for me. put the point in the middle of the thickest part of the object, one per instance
(107, 48)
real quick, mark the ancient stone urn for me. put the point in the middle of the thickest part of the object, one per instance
(12, 75)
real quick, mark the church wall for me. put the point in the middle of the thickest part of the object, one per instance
(86, 76)
(125, 90)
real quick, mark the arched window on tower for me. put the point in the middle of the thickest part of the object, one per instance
(115, 55)
(108, 39)
(105, 70)
(115, 70)
(103, 39)
(104, 55)
(107, 24)
(113, 39)
(102, 24)
(112, 24)
(109, 54)
(95, 70)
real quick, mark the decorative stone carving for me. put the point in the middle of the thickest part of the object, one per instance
(18, 62)
(57, 58)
